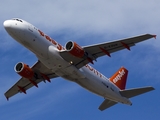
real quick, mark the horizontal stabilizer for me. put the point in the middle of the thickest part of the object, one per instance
(134, 92)
(106, 104)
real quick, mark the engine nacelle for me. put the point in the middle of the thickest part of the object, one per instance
(74, 49)
(24, 70)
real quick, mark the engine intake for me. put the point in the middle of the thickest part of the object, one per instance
(75, 49)
(24, 70)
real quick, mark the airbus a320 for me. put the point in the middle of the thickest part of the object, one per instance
(71, 62)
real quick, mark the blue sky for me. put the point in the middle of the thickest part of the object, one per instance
(85, 22)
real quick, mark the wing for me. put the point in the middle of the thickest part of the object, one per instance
(24, 84)
(106, 104)
(98, 50)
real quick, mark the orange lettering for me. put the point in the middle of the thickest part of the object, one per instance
(41, 33)
(59, 47)
(96, 72)
(90, 68)
(54, 42)
(100, 75)
(48, 38)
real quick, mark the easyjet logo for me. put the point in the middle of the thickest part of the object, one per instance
(59, 47)
(119, 76)
(93, 70)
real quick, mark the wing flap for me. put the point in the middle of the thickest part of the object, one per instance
(106, 104)
(134, 92)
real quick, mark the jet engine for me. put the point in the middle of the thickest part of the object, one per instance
(75, 49)
(24, 70)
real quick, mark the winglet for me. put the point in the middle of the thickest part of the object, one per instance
(155, 36)
(120, 78)
(7, 98)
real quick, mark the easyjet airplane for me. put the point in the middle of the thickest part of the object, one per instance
(71, 63)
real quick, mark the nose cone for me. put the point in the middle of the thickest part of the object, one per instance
(7, 24)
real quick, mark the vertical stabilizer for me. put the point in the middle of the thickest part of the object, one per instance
(120, 78)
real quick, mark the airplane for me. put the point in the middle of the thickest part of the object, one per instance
(71, 62)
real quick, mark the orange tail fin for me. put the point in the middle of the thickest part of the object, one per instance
(120, 78)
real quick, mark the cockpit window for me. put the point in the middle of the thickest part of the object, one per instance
(18, 20)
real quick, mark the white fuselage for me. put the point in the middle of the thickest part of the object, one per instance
(47, 51)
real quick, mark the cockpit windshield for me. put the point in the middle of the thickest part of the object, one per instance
(17, 19)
